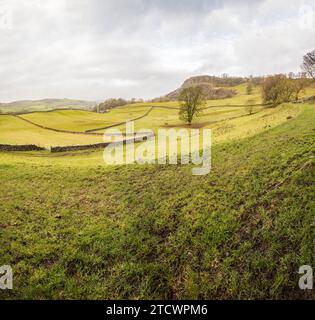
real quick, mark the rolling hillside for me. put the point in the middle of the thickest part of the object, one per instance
(187, 177)
(158, 232)
(228, 118)
(16, 131)
(76, 228)
(44, 105)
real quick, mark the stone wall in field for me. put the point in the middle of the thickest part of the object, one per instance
(23, 147)
(79, 147)
(100, 145)
(32, 147)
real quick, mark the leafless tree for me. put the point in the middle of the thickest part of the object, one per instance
(309, 64)
(249, 88)
(299, 86)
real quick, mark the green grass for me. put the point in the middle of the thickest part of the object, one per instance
(227, 124)
(76, 120)
(74, 228)
(16, 131)
(13, 131)
(240, 125)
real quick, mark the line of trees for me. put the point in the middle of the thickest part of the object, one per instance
(280, 88)
(284, 88)
(113, 103)
(249, 88)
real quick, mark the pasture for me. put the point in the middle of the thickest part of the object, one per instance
(16, 131)
(77, 120)
(228, 118)
(75, 228)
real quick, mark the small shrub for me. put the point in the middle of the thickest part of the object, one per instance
(250, 106)
(249, 88)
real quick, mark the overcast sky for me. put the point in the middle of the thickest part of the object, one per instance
(94, 49)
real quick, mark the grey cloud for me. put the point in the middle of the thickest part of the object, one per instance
(144, 48)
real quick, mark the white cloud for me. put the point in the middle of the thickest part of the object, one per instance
(144, 48)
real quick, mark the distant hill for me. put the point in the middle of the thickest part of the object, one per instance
(44, 105)
(214, 81)
(213, 87)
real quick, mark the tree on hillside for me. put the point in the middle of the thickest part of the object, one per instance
(250, 106)
(249, 88)
(309, 64)
(299, 86)
(191, 103)
(278, 89)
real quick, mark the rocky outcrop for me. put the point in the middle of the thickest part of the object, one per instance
(212, 87)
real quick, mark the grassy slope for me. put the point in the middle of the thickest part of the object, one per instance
(157, 231)
(226, 123)
(17, 131)
(76, 120)
(223, 130)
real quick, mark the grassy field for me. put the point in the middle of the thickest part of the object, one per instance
(74, 228)
(16, 131)
(76, 120)
(152, 231)
(164, 114)
(227, 123)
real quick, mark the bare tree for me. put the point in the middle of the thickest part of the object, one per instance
(309, 64)
(299, 86)
(249, 88)
(250, 106)
(191, 103)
